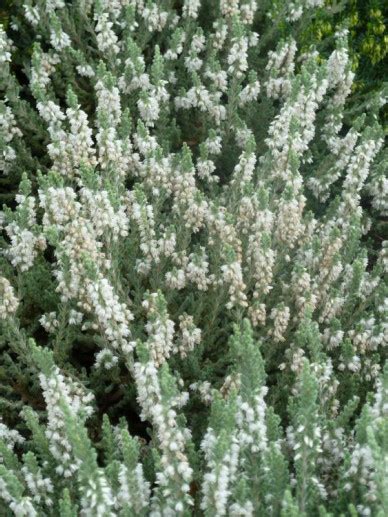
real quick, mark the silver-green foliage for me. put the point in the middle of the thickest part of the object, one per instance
(193, 321)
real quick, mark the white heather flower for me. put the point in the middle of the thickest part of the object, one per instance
(134, 492)
(106, 359)
(242, 510)
(100, 211)
(143, 215)
(280, 316)
(155, 18)
(257, 313)
(40, 487)
(336, 65)
(85, 70)
(238, 57)
(197, 43)
(263, 261)
(8, 131)
(23, 248)
(128, 210)
(176, 279)
(281, 68)
(97, 498)
(80, 142)
(378, 187)
(49, 322)
(9, 436)
(221, 472)
(249, 93)
(40, 74)
(244, 169)
(232, 276)
(167, 243)
(248, 10)
(196, 97)
(75, 317)
(220, 34)
(32, 14)
(5, 47)
(106, 37)
(205, 391)
(55, 389)
(109, 103)
(214, 144)
(219, 79)
(148, 107)
(190, 335)
(302, 289)
(289, 226)
(60, 206)
(59, 39)
(197, 270)
(359, 164)
(159, 408)
(22, 507)
(229, 7)
(51, 113)
(159, 327)
(205, 169)
(251, 420)
(113, 317)
(52, 5)
(191, 8)
(295, 8)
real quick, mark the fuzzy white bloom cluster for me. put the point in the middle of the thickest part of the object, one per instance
(32, 14)
(8, 132)
(159, 328)
(93, 294)
(106, 37)
(5, 47)
(191, 8)
(137, 500)
(296, 8)
(21, 506)
(154, 17)
(232, 275)
(378, 188)
(112, 316)
(49, 322)
(281, 316)
(99, 209)
(58, 391)
(195, 221)
(364, 456)
(24, 247)
(251, 421)
(25, 241)
(97, 496)
(173, 480)
(281, 66)
(217, 481)
(8, 301)
(238, 57)
(59, 39)
(10, 437)
(40, 487)
(190, 335)
(229, 7)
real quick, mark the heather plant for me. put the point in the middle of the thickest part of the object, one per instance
(192, 319)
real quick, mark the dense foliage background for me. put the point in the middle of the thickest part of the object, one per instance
(193, 296)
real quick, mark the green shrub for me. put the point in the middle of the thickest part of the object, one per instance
(193, 319)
